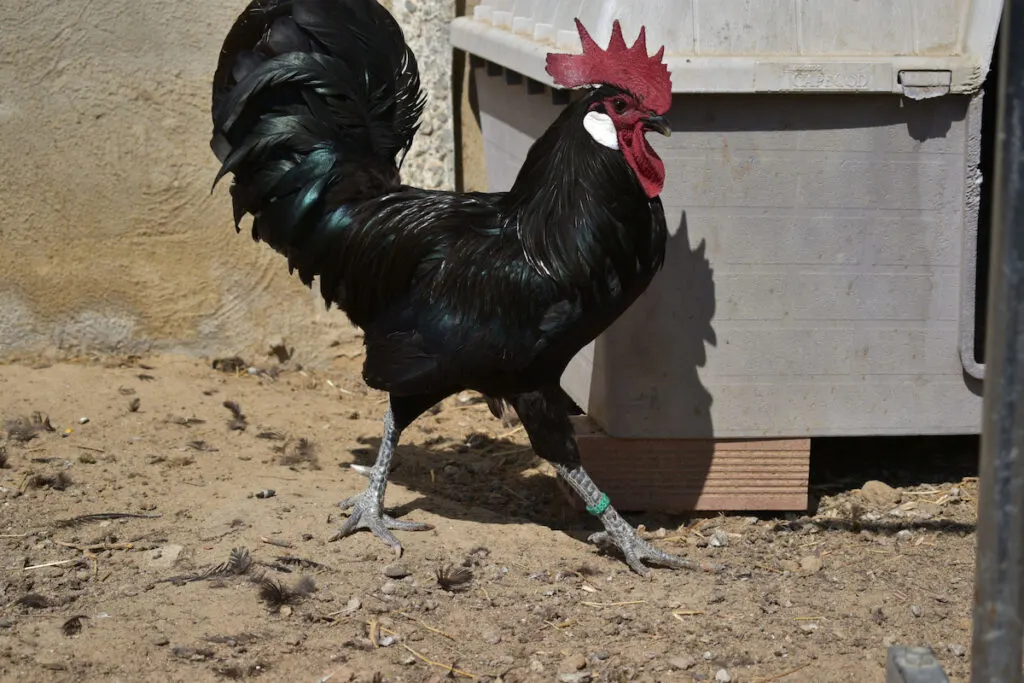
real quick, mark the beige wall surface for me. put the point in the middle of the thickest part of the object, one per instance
(109, 237)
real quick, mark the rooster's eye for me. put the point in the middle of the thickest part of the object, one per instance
(619, 105)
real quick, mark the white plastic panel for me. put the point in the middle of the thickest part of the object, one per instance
(813, 278)
(757, 45)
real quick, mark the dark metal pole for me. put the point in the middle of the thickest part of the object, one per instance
(998, 633)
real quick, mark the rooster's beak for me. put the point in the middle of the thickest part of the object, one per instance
(659, 124)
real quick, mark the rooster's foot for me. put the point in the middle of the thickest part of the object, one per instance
(636, 550)
(366, 514)
(619, 533)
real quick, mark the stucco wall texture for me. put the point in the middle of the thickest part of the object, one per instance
(111, 241)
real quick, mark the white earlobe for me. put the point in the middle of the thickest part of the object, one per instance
(602, 129)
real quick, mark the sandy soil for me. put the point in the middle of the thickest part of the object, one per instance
(802, 598)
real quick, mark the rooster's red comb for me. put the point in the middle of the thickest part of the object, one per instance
(629, 68)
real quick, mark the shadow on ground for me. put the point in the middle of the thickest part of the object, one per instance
(498, 481)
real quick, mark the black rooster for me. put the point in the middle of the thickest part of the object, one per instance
(314, 104)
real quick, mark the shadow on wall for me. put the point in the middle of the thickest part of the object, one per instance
(923, 119)
(634, 348)
(635, 345)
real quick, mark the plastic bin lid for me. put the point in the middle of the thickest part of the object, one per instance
(920, 48)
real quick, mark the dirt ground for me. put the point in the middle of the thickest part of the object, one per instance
(160, 596)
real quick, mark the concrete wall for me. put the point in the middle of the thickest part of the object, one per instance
(470, 163)
(111, 240)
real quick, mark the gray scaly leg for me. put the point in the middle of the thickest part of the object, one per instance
(618, 532)
(368, 506)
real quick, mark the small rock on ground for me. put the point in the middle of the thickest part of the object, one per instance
(578, 677)
(810, 564)
(879, 493)
(396, 571)
(719, 539)
(682, 662)
(163, 557)
(573, 663)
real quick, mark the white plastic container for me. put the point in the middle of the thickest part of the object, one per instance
(918, 48)
(823, 204)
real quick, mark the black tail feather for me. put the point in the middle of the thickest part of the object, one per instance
(314, 101)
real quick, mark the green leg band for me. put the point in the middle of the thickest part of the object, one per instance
(600, 506)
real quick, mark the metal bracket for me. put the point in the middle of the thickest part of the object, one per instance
(913, 665)
(969, 255)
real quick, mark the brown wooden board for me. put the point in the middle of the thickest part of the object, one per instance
(685, 475)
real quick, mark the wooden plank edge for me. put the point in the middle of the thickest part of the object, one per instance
(732, 472)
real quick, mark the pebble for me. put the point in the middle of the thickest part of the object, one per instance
(810, 564)
(51, 663)
(389, 588)
(163, 557)
(491, 637)
(343, 675)
(160, 640)
(286, 611)
(719, 539)
(574, 662)
(396, 571)
(915, 610)
(904, 535)
(879, 493)
(809, 626)
(599, 656)
(708, 656)
(682, 662)
(789, 566)
(293, 640)
(578, 677)
(956, 649)
(482, 467)
(536, 666)
(723, 676)
(83, 420)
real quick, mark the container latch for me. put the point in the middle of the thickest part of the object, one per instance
(921, 85)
